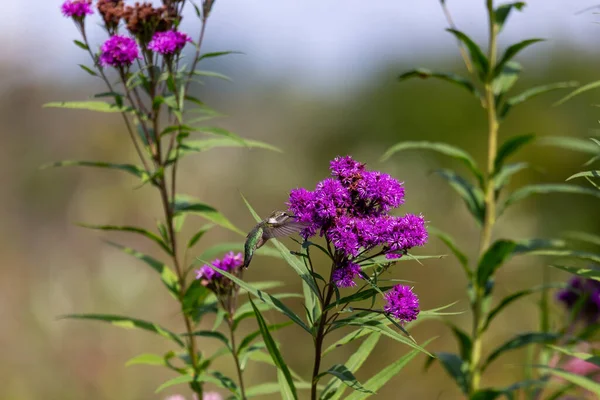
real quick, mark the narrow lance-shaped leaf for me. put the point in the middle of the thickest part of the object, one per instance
(504, 81)
(383, 376)
(464, 341)
(590, 358)
(187, 204)
(585, 174)
(146, 359)
(479, 60)
(471, 195)
(503, 176)
(579, 380)
(512, 51)
(274, 351)
(167, 276)
(424, 73)
(531, 190)
(570, 143)
(346, 376)
(583, 272)
(532, 92)
(521, 340)
(456, 369)
(493, 259)
(126, 322)
(198, 235)
(578, 91)
(449, 242)
(99, 106)
(509, 147)
(133, 229)
(265, 297)
(584, 237)
(130, 168)
(443, 148)
(503, 11)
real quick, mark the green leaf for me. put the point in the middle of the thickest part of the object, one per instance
(146, 359)
(502, 177)
(217, 54)
(585, 174)
(132, 169)
(188, 204)
(129, 323)
(521, 340)
(471, 195)
(535, 245)
(582, 381)
(590, 358)
(383, 376)
(144, 232)
(247, 340)
(197, 146)
(479, 60)
(271, 388)
(359, 296)
(99, 106)
(274, 351)
(456, 368)
(512, 51)
(213, 335)
(266, 298)
(570, 143)
(212, 74)
(424, 73)
(217, 379)
(532, 92)
(506, 301)
(578, 91)
(346, 376)
(198, 235)
(167, 276)
(507, 78)
(464, 341)
(591, 273)
(442, 148)
(509, 147)
(584, 237)
(449, 242)
(530, 190)
(503, 11)
(493, 259)
(334, 390)
(88, 70)
(81, 45)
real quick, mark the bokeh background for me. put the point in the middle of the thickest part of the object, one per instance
(318, 79)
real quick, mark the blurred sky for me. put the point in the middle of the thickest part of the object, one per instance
(318, 43)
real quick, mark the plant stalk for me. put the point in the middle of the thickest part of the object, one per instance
(479, 313)
(236, 359)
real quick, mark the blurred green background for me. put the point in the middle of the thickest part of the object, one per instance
(52, 267)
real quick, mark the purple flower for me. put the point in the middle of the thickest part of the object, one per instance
(119, 51)
(230, 262)
(346, 169)
(77, 8)
(402, 303)
(583, 295)
(344, 276)
(381, 191)
(169, 42)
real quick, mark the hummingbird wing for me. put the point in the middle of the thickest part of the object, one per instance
(287, 229)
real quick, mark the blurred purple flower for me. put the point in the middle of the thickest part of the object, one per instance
(169, 42)
(77, 8)
(205, 396)
(119, 51)
(583, 296)
(230, 262)
(402, 303)
(344, 276)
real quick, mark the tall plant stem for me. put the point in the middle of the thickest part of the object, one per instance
(236, 359)
(479, 313)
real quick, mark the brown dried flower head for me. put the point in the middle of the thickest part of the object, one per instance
(112, 12)
(144, 20)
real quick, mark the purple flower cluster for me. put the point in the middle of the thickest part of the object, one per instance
(351, 210)
(119, 51)
(169, 42)
(77, 8)
(584, 295)
(230, 262)
(344, 276)
(402, 303)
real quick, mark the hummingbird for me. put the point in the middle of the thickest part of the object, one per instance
(278, 224)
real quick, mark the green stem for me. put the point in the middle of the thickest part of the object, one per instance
(236, 358)
(479, 313)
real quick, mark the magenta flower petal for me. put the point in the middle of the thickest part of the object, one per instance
(119, 51)
(402, 303)
(169, 42)
(77, 8)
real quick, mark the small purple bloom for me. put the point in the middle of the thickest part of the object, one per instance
(77, 8)
(402, 303)
(583, 294)
(344, 276)
(230, 262)
(169, 42)
(346, 169)
(119, 51)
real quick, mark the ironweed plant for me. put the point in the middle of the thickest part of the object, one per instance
(148, 81)
(491, 78)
